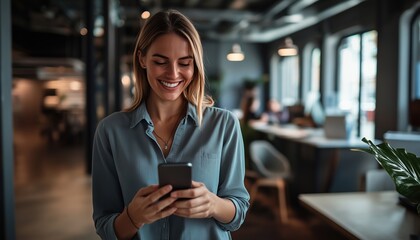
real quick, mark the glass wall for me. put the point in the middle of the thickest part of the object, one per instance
(356, 86)
(315, 70)
(288, 80)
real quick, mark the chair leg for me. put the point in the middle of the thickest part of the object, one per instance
(282, 200)
(281, 189)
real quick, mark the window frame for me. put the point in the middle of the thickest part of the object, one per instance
(336, 85)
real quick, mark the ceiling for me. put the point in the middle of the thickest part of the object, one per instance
(51, 28)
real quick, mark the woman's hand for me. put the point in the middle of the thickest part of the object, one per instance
(199, 202)
(146, 206)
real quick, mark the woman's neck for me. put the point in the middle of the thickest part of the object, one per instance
(163, 111)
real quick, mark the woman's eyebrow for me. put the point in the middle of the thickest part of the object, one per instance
(159, 55)
(186, 57)
(162, 56)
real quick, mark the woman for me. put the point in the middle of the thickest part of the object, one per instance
(275, 113)
(171, 120)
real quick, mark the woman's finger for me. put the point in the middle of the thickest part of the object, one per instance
(147, 190)
(197, 190)
(195, 184)
(197, 212)
(155, 196)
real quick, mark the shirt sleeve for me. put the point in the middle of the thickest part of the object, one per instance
(233, 173)
(106, 191)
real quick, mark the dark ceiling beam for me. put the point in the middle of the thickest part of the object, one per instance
(280, 6)
(276, 33)
(207, 14)
(300, 5)
(217, 20)
(191, 3)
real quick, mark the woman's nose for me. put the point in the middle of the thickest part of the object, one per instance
(172, 71)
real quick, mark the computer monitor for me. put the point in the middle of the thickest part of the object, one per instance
(335, 126)
(313, 108)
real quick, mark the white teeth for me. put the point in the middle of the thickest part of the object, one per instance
(171, 85)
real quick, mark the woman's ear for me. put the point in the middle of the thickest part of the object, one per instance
(142, 60)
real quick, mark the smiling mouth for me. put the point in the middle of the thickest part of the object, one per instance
(170, 85)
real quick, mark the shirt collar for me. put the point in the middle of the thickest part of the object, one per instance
(141, 113)
(192, 113)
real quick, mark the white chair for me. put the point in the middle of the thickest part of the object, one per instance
(273, 169)
(378, 180)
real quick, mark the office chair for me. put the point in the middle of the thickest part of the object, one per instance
(273, 169)
(378, 180)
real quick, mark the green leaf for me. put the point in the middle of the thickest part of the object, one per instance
(402, 166)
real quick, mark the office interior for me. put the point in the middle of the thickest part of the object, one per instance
(66, 64)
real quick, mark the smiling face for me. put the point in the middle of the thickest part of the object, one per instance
(170, 67)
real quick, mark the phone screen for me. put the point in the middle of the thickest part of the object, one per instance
(176, 174)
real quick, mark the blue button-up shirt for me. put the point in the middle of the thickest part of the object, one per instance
(126, 156)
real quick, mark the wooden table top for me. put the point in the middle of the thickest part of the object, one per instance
(365, 215)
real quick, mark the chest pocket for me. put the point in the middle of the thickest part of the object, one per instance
(208, 170)
(209, 159)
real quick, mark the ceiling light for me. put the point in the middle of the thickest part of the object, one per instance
(75, 85)
(145, 15)
(125, 80)
(83, 31)
(236, 55)
(288, 48)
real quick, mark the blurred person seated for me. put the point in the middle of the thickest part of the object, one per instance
(313, 112)
(275, 113)
(250, 107)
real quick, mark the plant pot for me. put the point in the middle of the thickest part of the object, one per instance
(407, 203)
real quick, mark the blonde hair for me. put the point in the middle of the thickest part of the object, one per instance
(171, 21)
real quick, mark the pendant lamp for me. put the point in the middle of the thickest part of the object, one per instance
(236, 55)
(288, 48)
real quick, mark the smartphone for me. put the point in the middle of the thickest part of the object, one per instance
(176, 174)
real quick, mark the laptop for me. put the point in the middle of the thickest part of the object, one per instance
(335, 127)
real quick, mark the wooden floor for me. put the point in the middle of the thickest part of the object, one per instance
(53, 198)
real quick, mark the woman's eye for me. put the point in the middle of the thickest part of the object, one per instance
(184, 64)
(159, 63)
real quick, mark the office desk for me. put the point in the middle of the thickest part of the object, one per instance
(319, 164)
(288, 131)
(310, 136)
(362, 215)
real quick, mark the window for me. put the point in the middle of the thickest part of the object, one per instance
(311, 78)
(284, 84)
(288, 86)
(357, 81)
(315, 70)
(289, 76)
(415, 93)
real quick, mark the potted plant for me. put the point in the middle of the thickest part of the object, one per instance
(402, 166)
